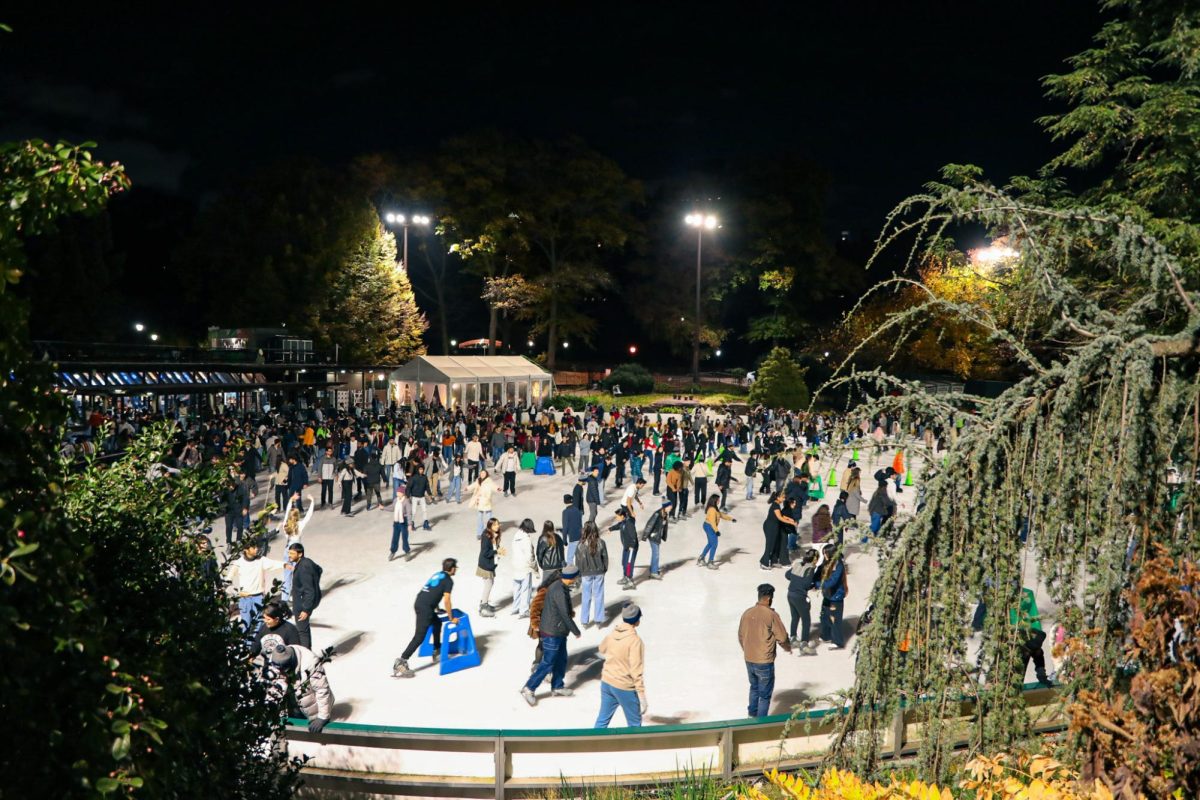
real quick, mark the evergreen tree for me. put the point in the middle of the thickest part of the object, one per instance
(779, 382)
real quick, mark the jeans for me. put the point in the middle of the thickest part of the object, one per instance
(627, 699)
(831, 622)
(653, 557)
(553, 663)
(592, 509)
(484, 516)
(455, 490)
(762, 686)
(750, 487)
(571, 548)
(399, 531)
(711, 547)
(876, 524)
(798, 605)
(591, 607)
(249, 609)
(496, 451)
(522, 590)
(628, 556)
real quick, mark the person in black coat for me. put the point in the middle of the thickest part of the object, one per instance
(629, 544)
(306, 591)
(237, 507)
(801, 579)
(273, 622)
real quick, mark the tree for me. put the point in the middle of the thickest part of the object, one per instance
(779, 382)
(573, 206)
(370, 309)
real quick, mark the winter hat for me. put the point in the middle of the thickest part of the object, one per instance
(631, 613)
(283, 657)
(570, 571)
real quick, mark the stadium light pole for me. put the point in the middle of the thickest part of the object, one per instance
(701, 222)
(404, 222)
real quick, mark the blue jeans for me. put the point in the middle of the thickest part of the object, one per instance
(591, 606)
(876, 524)
(249, 609)
(522, 590)
(711, 547)
(628, 556)
(762, 686)
(653, 557)
(749, 487)
(399, 529)
(571, 548)
(455, 490)
(484, 516)
(496, 451)
(627, 699)
(448, 452)
(554, 663)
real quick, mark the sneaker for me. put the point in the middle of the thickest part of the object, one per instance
(712, 565)
(655, 576)
(528, 695)
(400, 669)
(486, 612)
(437, 656)
(833, 646)
(764, 567)
(391, 556)
(524, 615)
(563, 692)
(700, 562)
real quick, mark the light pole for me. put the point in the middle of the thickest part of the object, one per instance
(700, 222)
(404, 222)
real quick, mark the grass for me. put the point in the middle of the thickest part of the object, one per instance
(606, 400)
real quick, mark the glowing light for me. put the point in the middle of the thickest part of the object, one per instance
(710, 222)
(530, 343)
(718, 354)
(420, 220)
(379, 377)
(993, 254)
(390, 217)
(633, 349)
(139, 327)
(154, 337)
(566, 345)
(707, 221)
(454, 342)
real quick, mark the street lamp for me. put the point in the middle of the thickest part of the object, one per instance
(633, 349)
(530, 343)
(139, 327)
(154, 337)
(454, 342)
(718, 354)
(566, 345)
(701, 222)
(404, 222)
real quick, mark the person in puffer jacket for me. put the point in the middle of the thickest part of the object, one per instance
(300, 665)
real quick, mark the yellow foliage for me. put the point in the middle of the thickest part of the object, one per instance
(1001, 777)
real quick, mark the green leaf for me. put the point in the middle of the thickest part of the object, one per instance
(107, 785)
(120, 747)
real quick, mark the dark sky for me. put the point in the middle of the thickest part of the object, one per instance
(881, 94)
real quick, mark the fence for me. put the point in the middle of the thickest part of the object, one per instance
(349, 759)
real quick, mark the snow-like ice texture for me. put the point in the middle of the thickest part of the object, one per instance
(694, 667)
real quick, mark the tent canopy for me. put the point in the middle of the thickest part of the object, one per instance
(469, 369)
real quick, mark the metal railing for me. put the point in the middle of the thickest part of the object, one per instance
(350, 758)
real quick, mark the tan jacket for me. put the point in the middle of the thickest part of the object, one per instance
(760, 631)
(675, 480)
(624, 659)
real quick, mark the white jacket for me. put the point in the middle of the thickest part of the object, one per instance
(481, 494)
(522, 555)
(509, 462)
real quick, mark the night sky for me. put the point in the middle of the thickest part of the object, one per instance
(880, 95)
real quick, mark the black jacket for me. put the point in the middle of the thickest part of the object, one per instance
(487, 554)
(236, 498)
(306, 585)
(572, 523)
(418, 485)
(656, 528)
(285, 629)
(628, 529)
(593, 490)
(556, 612)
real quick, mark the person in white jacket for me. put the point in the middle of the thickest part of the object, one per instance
(522, 557)
(482, 492)
(307, 676)
(251, 577)
(508, 465)
(388, 458)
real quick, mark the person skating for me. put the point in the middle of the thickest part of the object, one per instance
(675, 485)
(555, 623)
(622, 682)
(760, 632)
(273, 622)
(655, 532)
(401, 513)
(482, 492)
(306, 590)
(834, 587)
(572, 526)
(712, 524)
(592, 560)
(436, 590)
(508, 465)
(627, 527)
(523, 560)
(773, 528)
(802, 579)
(251, 576)
(592, 495)
(489, 550)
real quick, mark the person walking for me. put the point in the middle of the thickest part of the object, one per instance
(523, 560)
(401, 512)
(572, 526)
(346, 478)
(418, 494)
(592, 495)
(712, 523)
(327, 470)
(655, 532)
(489, 551)
(622, 681)
(592, 560)
(834, 587)
(306, 590)
(436, 590)
(802, 579)
(760, 632)
(482, 491)
(508, 465)
(881, 508)
(627, 527)
(555, 624)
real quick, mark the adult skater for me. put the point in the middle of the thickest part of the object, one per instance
(802, 576)
(436, 590)
(622, 682)
(592, 560)
(773, 528)
(712, 523)
(627, 527)
(556, 622)
(760, 632)
(655, 532)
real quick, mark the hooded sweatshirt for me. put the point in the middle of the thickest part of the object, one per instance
(624, 659)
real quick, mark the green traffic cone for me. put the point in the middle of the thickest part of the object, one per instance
(908, 478)
(832, 477)
(854, 454)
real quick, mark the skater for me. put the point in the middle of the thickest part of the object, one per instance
(881, 508)
(592, 495)
(555, 623)
(418, 492)
(482, 492)
(700, 481)
(834, 587)
(675, 485)
(801, 578)
(774, 527)
(489, 550)
(251, 575)
(629, 544)
(592, 560)
(508, 465)
(622, 682)
(523, 560)
(822, 524)
(572, 526)
(401, 512)
(724, 479)
(760, 632)
(550, 549)
(436, 590)
(1026, 620)
(346, 478)
(306, 590)
(712, 524)
(655, 533)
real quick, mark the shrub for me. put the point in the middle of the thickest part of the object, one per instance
(561, 401)
(780, 382)
(632, 378)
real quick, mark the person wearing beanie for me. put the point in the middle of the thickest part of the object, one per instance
(308, 679)
(629, 544)
(557, 620)
(622, 683)
(760, 632)
(655, 533)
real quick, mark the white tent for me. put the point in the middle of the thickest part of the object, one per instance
(467, 380)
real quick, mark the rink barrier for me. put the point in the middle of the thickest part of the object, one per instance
(349, 759)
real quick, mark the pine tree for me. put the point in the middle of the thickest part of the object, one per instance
(780, 382)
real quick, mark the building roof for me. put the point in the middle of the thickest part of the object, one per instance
(443, 369)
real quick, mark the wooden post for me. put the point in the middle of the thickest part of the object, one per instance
(501, 767)
(898, 729)
(727, 753)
